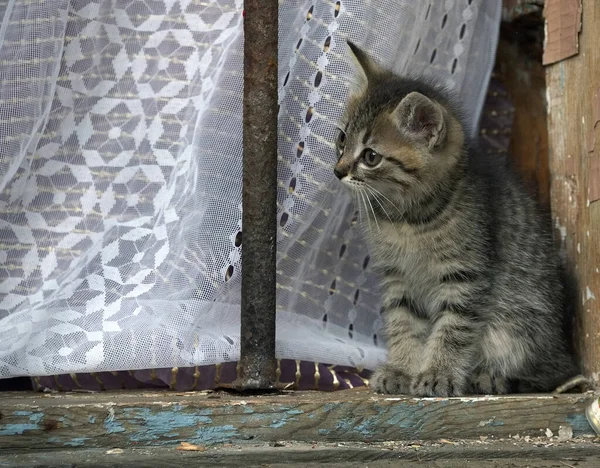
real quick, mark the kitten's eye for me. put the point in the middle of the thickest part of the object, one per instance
(341, 141)
(371, 158)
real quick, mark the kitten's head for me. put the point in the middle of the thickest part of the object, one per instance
(398, 136)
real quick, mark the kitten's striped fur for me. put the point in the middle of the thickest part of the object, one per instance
(472, 295)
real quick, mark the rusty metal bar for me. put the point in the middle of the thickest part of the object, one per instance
(257, 361)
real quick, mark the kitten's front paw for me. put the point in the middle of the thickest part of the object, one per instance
(487, 384)
(437, 383)
(388, 379)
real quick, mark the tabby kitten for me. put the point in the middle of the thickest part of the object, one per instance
(473, 300)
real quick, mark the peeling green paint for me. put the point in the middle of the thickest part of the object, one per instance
(345, 424)
(215, 434)
(404, 416)
(277, 424)
(72, 442)
(158, 424)
(16, 429)
(34, 417)
(367, 427)
(331, 406)
(492, 422)
(76, 441)
(111, 425)
(64, 421)
(285, 418)
(373, 418)
(579, 423)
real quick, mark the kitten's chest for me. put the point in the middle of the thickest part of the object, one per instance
(403, 249)
(399, 241)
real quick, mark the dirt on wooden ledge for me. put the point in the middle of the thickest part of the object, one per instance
(518, 452)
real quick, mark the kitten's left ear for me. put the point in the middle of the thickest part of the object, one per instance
(422, 118)
(365, 67)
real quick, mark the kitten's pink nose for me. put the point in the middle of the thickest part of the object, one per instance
(339, 174)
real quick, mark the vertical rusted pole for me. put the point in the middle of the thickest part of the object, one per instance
(257, 361)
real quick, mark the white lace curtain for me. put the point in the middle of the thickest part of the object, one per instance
(120, 175)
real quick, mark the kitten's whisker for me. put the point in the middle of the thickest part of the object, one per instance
(362, 196)
(372, 210)
(375, 196)
(386, 213)
(385, 198)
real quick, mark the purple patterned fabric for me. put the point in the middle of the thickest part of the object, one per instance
(496, 120)
(296, 375)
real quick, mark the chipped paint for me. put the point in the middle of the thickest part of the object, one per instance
(328, 407)
(216, 434)
(367, 428)
(491, 422)
(32, 424)
(76, 442)
(64, 422)
(164, 423)
(589, 295)
(110, 424)
(287, 416)
(345, 424)
(403, 416)
(158, 424)
(33, 417)
(561, 79)
(17, 429)
(579, 423)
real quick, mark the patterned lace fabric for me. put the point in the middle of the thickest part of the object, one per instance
(120, 169)
(494, 132)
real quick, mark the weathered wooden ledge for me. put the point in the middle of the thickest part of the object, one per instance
(488, 453)
(35, 421)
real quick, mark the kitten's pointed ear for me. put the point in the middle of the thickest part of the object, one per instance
(365, 67)
(422, 118)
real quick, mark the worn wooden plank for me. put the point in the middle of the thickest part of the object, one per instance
(497, 453)
(574, 141)
(563, 24)
(44, 421)
(519, 65)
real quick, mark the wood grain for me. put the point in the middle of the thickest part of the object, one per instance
(582, 454)
(519, 65)
(563, 23)
(120, 420)
(571, 89)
